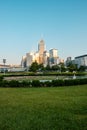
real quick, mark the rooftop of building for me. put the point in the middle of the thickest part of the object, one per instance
(81, 56)
(53, 49)
(41, 41)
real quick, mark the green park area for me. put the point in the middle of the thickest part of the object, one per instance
(55, 108)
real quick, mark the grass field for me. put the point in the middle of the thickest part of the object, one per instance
(62, 108)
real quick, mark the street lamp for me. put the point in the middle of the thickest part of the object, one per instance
(60, 68)
(4, 61)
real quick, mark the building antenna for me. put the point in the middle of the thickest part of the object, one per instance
(42, 36)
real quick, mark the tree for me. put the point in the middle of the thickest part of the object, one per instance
(55, 68)
(72, 67)
(34, 67)
(40, 67)
(48, 67)
(82, 68)
(62, 67)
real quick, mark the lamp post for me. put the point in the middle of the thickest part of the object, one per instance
(4, 61)
(60, 67)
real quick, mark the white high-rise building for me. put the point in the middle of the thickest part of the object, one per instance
(23, 62)
(30, 57)
(53, 53)
(53, 57)
(45, 58)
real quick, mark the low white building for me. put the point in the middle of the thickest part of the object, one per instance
(81, 60)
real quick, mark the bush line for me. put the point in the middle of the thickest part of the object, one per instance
(37, 83)
(44, 74)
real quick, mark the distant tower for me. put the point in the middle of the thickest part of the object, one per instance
(41, 49)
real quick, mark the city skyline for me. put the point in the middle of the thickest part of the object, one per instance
(41, 56)
(63, 25)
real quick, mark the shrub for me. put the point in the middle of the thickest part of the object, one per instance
(47, 84)
(1, 78)
(57, 83)
(25, 84)
(14, 83)
(35, 83)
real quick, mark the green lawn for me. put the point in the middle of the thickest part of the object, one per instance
(63, 108)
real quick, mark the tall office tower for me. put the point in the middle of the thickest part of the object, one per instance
(45, 58)
(41, 49)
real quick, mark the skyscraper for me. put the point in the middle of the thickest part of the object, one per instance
(45, 58)
(41, 49)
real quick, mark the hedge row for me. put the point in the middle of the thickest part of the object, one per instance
(43, 74)
(37, 83)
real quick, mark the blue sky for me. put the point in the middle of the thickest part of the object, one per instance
(63, 24)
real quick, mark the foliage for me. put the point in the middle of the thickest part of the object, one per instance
(72, 67)
(56, 68)
(41, 67)
(82, 68)
(14, 83)
(62, 67)
(37, 83)
(1, 77)
(48, 68)
(34, 67)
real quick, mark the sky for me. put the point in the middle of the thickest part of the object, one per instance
(61, 23)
